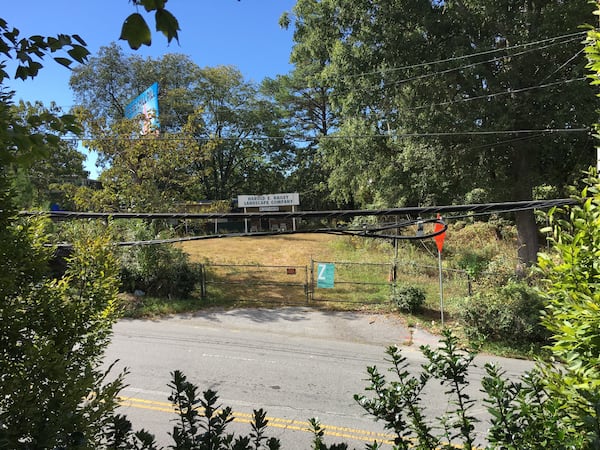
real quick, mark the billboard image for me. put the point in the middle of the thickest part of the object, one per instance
(147, 104)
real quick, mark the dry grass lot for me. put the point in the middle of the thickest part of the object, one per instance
(417, 264)
(293, 249)
(277, 254)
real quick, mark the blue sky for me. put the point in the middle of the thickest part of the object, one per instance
(245, 34)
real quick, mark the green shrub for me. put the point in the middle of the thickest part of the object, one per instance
(159, 270)
(510, 314)
(521, 414)
(53, 334)
(571, 273)
(500, 271)
(409, 298)
(473, 263)
(202, 423)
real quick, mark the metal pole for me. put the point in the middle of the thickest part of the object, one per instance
(202, 281)
(395, 267)
(293, 219)
(306, 285)
(312, 279)
(441, 288)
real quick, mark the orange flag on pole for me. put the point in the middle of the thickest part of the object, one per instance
(439, 239)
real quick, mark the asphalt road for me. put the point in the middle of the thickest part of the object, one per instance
(296, 363)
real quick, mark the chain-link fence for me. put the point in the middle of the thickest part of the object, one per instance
(327, 281)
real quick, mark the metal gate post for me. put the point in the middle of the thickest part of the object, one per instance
(306, 286)
(312, 279)
(202, 282)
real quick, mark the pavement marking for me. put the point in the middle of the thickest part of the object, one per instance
(275, 422)
(278, 422)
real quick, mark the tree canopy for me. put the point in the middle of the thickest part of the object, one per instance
(440, 99)
(219, 134)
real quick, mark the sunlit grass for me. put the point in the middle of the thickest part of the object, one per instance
(153, 307)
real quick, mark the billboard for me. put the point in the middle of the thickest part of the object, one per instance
(147, 104)
(268, 200)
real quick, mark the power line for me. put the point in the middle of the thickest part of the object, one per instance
(366, 230)
(450, 70)
(541, 131)
(563, 65)
(569, 38)
(505, 141)
(412, 210)
(499, 94)
(469, 133)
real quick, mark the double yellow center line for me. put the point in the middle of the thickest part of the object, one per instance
(275, 422)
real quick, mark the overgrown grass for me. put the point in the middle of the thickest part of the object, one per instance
(153, 307)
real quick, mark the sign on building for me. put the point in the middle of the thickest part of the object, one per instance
(268, 200)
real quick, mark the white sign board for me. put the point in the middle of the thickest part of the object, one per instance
(258, 201)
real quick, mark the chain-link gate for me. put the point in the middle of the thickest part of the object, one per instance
(251, 282)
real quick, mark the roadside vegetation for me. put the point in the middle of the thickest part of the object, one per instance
(56, 326)
(554, 406)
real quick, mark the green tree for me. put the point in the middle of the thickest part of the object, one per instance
(112, 79)
(240, 130)
(403, 71)
(45, 182)
(152, 172)
(304, 97)
(237, 121)
(53, 332)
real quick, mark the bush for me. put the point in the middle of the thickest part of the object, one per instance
(53, 334)
(510, 314)
(521, 414)
(473, 263)
(571, 273)
(409, 298)
(500, 271)
(159, 269)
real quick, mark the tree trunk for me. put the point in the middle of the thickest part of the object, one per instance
(527, 233)
(527, 238)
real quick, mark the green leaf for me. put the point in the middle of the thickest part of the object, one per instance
(34, 68)
(153, 5)
(167, 24)
(4, 48)
(22, 72)
(54, 44)
(63, 61)
(135, 31)
(79, 39)
(79, 53)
